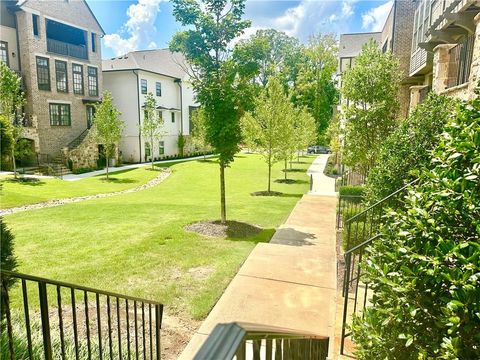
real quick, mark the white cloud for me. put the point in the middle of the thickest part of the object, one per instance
(308, 17)
(374, 19)
(139, 30)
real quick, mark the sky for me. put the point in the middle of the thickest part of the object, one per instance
(149, 24)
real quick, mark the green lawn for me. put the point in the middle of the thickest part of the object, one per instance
(21, 193)
(135, 243)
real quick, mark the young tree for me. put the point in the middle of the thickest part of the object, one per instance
(199, 130)
(152, 125)
(304, 130)
(315, 88)
(271, 126)
(107, 127)
(212, 25)
(12, 99)
(371, 87)
(6, 140)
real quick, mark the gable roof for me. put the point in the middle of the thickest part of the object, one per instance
(160, 61)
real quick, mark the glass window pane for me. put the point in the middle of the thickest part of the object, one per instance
(43, 73)
(61, 75)
(77, 79)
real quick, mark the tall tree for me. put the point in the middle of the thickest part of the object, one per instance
(12, 99)
(371, 88)
(152, 125)
(199, 130)
(270, 127)
(315, 87)
(270, 53)
(107, 127)
(304, 130)
(212, 26)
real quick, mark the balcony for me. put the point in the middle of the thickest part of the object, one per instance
(63, 48)
(66, 40)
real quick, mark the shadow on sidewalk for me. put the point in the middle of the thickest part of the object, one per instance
(292, 237)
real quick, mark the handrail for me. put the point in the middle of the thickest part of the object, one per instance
(78, 137)
(363, 244)
(382, 201)
(229, 340)
(76, 287)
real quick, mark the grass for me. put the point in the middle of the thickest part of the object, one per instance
(15, 193)
(136, 243)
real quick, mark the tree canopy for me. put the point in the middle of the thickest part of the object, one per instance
(152, 125)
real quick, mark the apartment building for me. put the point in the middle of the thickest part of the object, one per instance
(445, 50)
(55, 46)
(130, 78)
(395, 36)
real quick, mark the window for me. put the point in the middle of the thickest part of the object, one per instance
(60, 115)
(43, 73)
(94, 42)
(92, 81)
(35, 24)
(345, 64)
(158, 88)
(161, 148)
(148, 151)
(144, 86)
(61, 75)
(160, 115)
(4, 52)
(77, 71)
(90, 115)
(173, 117)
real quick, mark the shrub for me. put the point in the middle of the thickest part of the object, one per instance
(408, 148)
(359, 232)
(352, 190)
(425, 270)
(8, 261)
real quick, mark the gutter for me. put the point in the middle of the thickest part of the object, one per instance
(14, 10)
(179, 83)
(139, 121)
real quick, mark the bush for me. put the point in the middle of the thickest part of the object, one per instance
(359, 232)
(8, 261)
(425, 270)
(408, 148)
(352, 190)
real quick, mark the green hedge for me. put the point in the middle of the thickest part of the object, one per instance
(352, 190)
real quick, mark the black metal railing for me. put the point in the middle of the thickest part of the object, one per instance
(460, 62)
(348, 206)
(78, 140)
(360, 231)
(52, 319)
(63, 48)
(350, 178)
(250, 341)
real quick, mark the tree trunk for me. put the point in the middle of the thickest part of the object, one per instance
(298, 156)
(14, 165)
(222, 194)
(107, 158)
(285, 169)
(269, 174)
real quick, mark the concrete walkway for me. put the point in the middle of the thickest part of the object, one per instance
(289, 282)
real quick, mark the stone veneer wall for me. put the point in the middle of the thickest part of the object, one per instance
(84, 155)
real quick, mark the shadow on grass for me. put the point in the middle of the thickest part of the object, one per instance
(291, 181)
(230, 230)
(262, 237)
(114, 172)
(26, 181)
(294, 170)
(292, 237)
(119, 181)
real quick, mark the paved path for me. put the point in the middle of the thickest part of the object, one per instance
(57, 202)
(322, 184)
(289, 282)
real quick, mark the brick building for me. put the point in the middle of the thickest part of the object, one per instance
(55, 46)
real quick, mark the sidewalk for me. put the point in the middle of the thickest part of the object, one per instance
(289, 282)
(76, 177)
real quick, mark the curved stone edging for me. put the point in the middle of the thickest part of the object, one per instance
(57, 202)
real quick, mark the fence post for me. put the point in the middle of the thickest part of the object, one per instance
(311, 182)
(47, 345)
(346, 281)
(158, 325)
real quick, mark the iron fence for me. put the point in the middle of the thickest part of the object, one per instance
(348, 206)
(53, 319)
(249, 341)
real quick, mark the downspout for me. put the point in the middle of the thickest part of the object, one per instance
(394, 23)
(139, 121)
(179, 83)
(18, 43)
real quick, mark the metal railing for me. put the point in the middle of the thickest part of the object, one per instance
(51, 166)
(460, 62)
(348, 206)
(348, 178)
(361, 230)
(248, 341)
(63, 48)
(78, 140)
(53, 319)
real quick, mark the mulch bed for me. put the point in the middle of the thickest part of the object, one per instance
(266, 193)
(232, 229)
(286, 181)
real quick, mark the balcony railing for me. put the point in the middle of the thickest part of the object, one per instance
(248, 341)
(52, 320)
(63, 48)
(460, 62)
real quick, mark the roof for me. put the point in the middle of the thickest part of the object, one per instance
(351, 44)
(160, 61)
